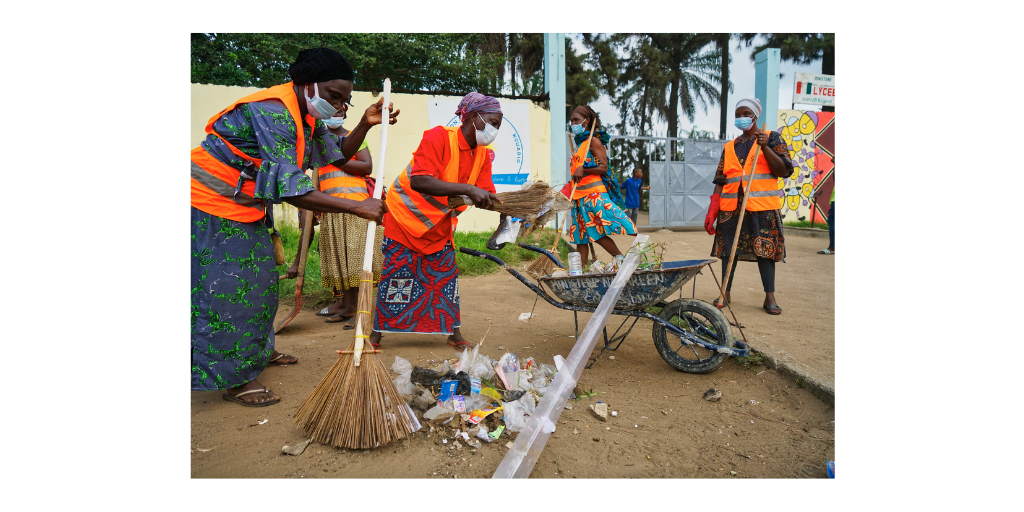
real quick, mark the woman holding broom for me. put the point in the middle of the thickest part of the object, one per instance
(761, 236)
(419, 287)
(254, 156)
(594, 215)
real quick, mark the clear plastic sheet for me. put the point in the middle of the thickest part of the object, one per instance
(520, 459)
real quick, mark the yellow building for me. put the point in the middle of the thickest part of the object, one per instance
(403, 138)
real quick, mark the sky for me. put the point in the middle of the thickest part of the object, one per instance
(741, 74)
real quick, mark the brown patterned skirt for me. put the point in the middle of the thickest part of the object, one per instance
(342, 243)
(761, 236)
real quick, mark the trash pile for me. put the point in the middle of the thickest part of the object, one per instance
(479, 397)
(650, 259)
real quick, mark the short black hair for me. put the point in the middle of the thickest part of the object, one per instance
(320, 65)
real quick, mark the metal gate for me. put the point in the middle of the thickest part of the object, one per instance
(681, 190)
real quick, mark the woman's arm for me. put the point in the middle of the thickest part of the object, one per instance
(597, 149)
(369, 209)
(361, 164)
(434, 187)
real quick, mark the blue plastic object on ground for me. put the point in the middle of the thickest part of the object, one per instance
(830, 466)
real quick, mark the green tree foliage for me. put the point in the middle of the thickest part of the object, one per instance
(440, 63)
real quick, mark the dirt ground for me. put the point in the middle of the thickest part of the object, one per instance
(765, 426)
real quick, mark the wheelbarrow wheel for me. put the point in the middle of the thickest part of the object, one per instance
(700, 319)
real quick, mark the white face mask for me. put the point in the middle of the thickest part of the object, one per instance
(317, 106)
(334, 123)
(488, 134)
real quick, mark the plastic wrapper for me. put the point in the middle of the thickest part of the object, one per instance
(515, 416)
(509, 232)
(403, 382)
(474, 364)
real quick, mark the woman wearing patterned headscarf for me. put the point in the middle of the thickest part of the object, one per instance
(761, 236)
(419, 287)
(594, 215)
(254, 155)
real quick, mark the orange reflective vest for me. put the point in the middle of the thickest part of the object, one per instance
(214, 182)
(418, 213)
(589, 184)
(338, 183)
(764, 188)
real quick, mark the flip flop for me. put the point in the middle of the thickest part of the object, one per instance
(774, 309)
(336, 319)
(323, 312)
(460, 345)
(826, 251)
(234, 398)
(279, 356)
(720, 306)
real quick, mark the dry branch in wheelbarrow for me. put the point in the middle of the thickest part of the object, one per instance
(537, 204)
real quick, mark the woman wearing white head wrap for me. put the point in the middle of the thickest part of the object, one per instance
(761, 236)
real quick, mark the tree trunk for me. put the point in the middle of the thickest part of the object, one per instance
(828, 67)
(673, 114)
(723, 47)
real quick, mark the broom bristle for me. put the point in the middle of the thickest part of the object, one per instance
(357, 407)
(524, 203)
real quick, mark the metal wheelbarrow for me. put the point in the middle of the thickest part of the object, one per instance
(691, 335)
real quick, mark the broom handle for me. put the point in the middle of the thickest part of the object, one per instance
(371, 227)
(573, 192)
(739, 220)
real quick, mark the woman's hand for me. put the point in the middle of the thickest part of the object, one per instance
(482, 198)
(370, 209)
(372, 116)
(762, 139)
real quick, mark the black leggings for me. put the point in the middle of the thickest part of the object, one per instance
(765, 266)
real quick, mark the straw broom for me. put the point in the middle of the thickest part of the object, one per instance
(739, 221)
(543, 265)
(356, 405)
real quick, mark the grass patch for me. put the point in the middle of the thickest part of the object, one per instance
(315, 296)
(749, 362)
(805, 224)
(511, 254)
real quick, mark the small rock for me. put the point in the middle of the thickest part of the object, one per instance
(611, 357)
(474, 443)
(712, 395)
(574, 431)
(296, 449)
(597, 439)
(733, 473)
(568, 405)
(600, 410)
(508, 445)
(457, 445)
(615, 413)
(501, 347)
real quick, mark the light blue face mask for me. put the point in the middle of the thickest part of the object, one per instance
(317, 106)
(576, 129)
(744, 122)
(334, 122)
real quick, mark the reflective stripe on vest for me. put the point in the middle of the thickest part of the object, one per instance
(419, 213)
(588, 185)
(764, 193)
(213, 175)
(338, 183)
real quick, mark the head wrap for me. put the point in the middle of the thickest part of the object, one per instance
(475, 102)
(751, 103)
(320, 65)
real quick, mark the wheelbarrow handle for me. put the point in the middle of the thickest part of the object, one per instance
(542, 251)
(484, 255)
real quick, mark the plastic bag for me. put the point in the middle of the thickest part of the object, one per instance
(404, 380)
(509, 232)
(476, 365)
(515, 416)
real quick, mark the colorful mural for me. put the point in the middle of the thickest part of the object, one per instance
(808, 190)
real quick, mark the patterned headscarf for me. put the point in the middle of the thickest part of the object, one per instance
(475, 102)
(753, 104)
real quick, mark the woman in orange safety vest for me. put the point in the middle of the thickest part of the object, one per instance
(761, 236)
(254, 155)
(419, 286)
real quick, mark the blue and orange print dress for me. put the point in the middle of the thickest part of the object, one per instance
(595, 216)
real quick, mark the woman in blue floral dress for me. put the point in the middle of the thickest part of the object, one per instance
(594, 216)
(254, 155)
